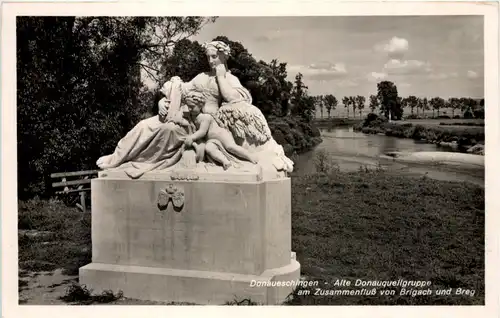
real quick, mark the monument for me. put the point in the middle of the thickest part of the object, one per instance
(194, 205)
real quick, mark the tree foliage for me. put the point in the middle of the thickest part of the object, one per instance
(387, 93)
(374, 103)
(412, 102)
(331, 103)
(437, 103)
(360, 103)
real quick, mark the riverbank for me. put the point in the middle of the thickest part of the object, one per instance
(295, 135)
(460, 137)
(464, 160)
(359, 225)
(336, 122)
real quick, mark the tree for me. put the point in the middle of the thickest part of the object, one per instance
(467, 106)
(331, 103)
(186, 61)
(401, 103)
(419, 104)
(412, 102)
(373, 102)
(454, 104)
(436, 103)
(387, 93)
(303, 105)
(161, 35)
(346, 101)
(360, 100)
(425, 105)
(319, 100)
(463, 104)
(352, 102)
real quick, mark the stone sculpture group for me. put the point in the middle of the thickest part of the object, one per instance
(211, 119)
(194, 205)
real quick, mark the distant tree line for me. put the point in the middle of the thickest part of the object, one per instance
(388, 103)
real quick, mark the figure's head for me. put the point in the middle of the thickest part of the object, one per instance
(217, 53)
(195, 101)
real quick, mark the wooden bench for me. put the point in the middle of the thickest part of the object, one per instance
(80, 184)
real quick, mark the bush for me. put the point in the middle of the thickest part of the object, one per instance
(419, 132)
(323, 162)
(294, 134)
(479, 114)
(82, 295)
(468, 115)
(374, 120)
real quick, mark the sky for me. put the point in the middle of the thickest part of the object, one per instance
(425, 56)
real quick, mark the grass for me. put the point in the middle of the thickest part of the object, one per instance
(81, 295)
(68, 248)
(360, 225)
(374, 226)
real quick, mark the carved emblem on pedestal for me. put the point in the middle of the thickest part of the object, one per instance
(171, 192)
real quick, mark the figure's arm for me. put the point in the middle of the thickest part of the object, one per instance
(204, 122)
(229, 94)
(231, 88)
(183, 122)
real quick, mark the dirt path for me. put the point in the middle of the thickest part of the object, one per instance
(44, 288)
(47, 288)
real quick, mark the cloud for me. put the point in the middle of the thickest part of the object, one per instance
(272, 35)
(322, 71)
(347, 83)
(443, 76)
(472, 75)
(395, 47)
(376, 76)
(406, 67)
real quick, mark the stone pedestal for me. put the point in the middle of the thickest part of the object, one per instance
(205, 241)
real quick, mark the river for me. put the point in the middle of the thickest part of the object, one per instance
(350, 150)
